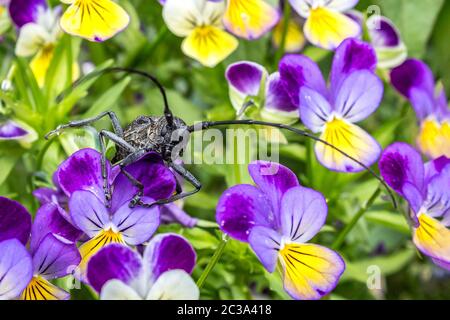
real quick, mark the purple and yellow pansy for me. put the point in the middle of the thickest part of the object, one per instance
(103, 221)
(38, 33)
(332, 111)
(200, 23)
(278, 217)
(94, 20)
(163, 272)
(426, 188)
(415, 81)
(26, 273)
(326, 24)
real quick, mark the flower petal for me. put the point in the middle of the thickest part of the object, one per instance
(25, 11)
(383, 32)
(117, 290)
(402, 168)
(40, 289)
(54, 258)
(242, 207)
(114, 261)
(265, 242)
(352, 55)
(88, 213)
(295, 39)
(328, 29)
(10, 130)
(273, 179)
(50, 219)
(15, 268)
(415, 81)
(82, 171)
(15, 221)
(431, 139)
(91, 247)
(310, 271)
(297, 71)
(277, 98)
(303, 214)
(40, 64)
(209, 45)
(250, 19)
(341, 5)
(350, 139)
(167, 252)
(158, 181)
(31, 39)
(315, 109)
(432, 238)
(356, 103)
(172, 213)
(181, 17)
(435, 167)
(94, 20)
(437, 202)
(136, 225)
(174, 285)
(245, 79)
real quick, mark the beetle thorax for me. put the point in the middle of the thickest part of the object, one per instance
(152, 134)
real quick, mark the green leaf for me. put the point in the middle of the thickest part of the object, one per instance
(107, 99)
(7, 162)
(390, 220)
(415, 20)
(72, 96)
(25, 78)
(388, 265)
(276, 285)
(200, 238)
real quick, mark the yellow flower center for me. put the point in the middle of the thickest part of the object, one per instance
(434, 138)
(91, 247)
(40, 289)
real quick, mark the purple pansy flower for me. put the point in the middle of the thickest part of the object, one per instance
(277, 217)
(80, 177)
(414, 80)
(28, 274)
(427, 191)
(385, 38)
(146, 170)
(39, 31)
(333, 111)
(118, 272)
(249, 80)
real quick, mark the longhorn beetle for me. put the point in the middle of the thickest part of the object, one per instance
(164, 134)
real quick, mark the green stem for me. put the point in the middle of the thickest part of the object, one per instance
(220, 249)
(286, 16)
(341, 237)
(215, 258)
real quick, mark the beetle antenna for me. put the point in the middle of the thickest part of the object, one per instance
(209, 124)
(167, 112)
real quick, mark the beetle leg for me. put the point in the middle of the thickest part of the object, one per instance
(186, 175)
(85, 122)
(120, 142)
